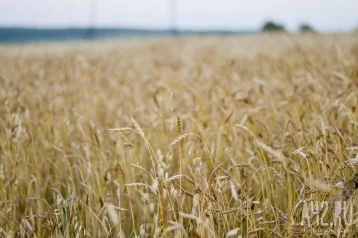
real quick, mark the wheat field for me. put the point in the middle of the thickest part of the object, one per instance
(207, 136)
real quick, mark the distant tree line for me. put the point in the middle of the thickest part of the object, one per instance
(271, 26)
(306, 28)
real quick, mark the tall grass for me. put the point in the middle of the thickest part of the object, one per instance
(188, 137)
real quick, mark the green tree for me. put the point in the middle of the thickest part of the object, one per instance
(304, 27)
(272, 26)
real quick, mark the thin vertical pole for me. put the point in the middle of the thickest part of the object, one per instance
(173, 16)
(92, 18)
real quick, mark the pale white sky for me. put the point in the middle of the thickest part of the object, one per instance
(324, 15)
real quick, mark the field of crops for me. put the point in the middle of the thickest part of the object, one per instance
(191, 137)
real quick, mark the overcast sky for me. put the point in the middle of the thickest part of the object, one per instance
(324, 15)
